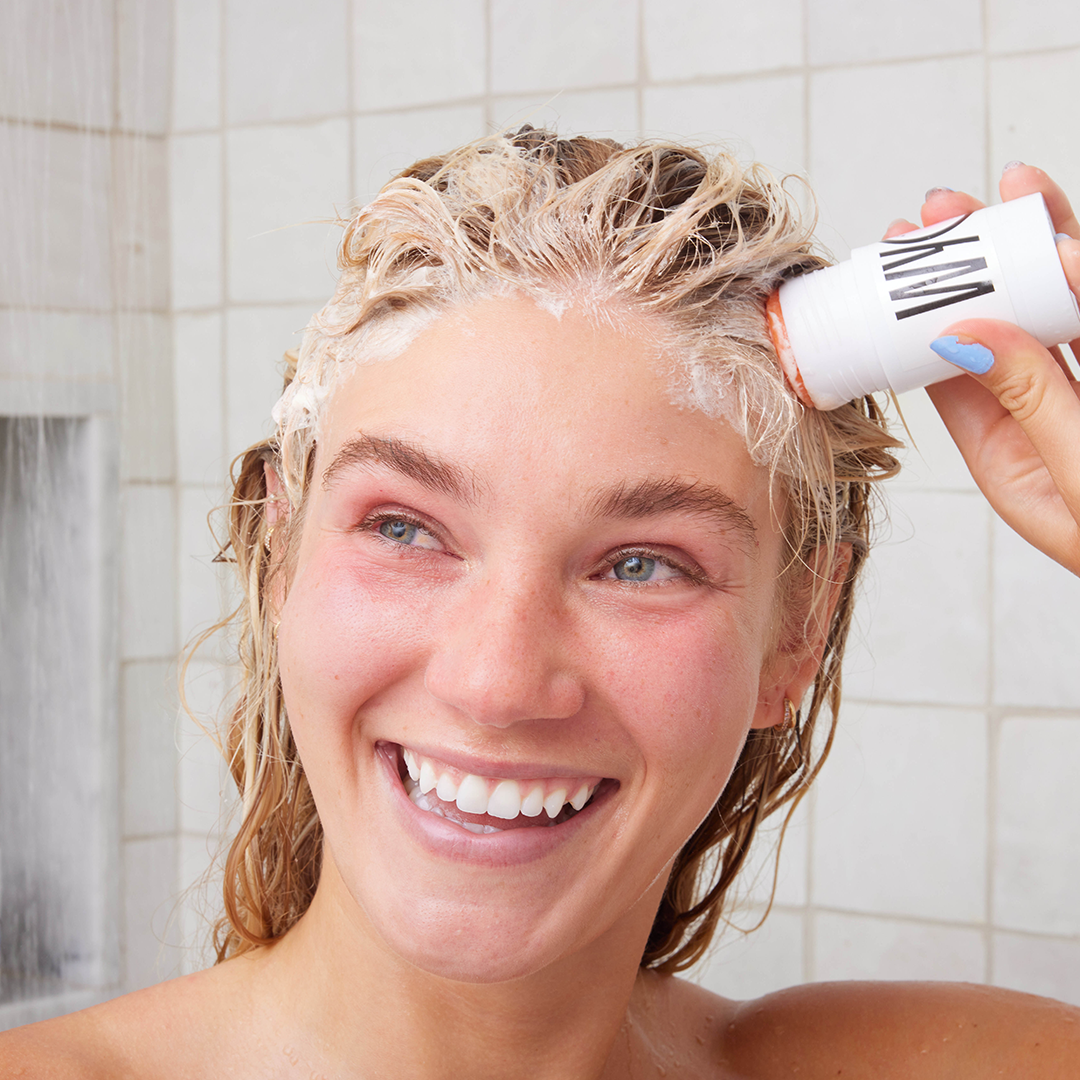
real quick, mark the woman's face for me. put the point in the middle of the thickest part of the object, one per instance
(528, 578)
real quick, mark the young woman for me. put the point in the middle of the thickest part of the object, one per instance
(548, 579)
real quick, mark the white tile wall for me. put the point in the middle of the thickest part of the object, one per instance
(144, 351)
(51, 344)
(1035, 626)
(285, 61)
(256, 340)
(925, 615)
(54, 218)
(1033, 100)
(685, 39)
(863, 947)
(386, 143)
(609, 113)
(283, 184)
(854, 32)
(416, 53)
(1015, 25)
(198, 380)
(1037, 835)
(148, 573)
(143, 53)
(760, 118)
(140, 224)
(195, 208)
(889, 121)
(931, 461)
(203, 781)
(148, 747)
(1039, 965)
(196, 96)
(900, 814)
(748, 965)
(755, 886)
(199, 585)
(150, 935)
(559, 44)
(74, 83)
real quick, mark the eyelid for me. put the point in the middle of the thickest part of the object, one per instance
(686, 568)
(377, 517)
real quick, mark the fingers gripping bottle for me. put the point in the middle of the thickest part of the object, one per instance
(866, 324)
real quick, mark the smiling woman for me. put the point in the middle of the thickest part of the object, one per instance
(548, 578)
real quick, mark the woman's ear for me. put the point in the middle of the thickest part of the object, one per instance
(791, 669)
(277, 505)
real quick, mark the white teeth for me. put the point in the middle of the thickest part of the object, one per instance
(505, 800)
(410, 764)
(553, 804)
(581, 797)
(533, 803)
(428, 779)
(446, 788)
(472, 795)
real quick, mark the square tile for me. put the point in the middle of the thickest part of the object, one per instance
(283, 187)
(148, 747)
(147, 442)
(147, 573)
(748, 965)
(761, 119)
(854, 32)
(1037, 838)
(199, 383)
(54, 218)
(56, 345)
(685, 39)
(858, 130)
(143, 65)
(561, 44)
(1038, 965)
(612, 114)
(865, 947)
(206, 791)
(894, 775)
(140, 222)
(388, 39)
(285, 61)
(199, 584)
(1014, 25)
(1035, 632)
(148, 937)
(923, 616)
(1033, 99)
(386, 143)
(196, 68)
(195, 209)
(62, 67)
(256, 340)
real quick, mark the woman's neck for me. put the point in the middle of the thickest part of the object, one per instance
(341, 1001)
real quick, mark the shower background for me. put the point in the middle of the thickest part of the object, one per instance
(165, 169)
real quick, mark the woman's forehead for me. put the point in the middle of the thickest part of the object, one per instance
(508, 385)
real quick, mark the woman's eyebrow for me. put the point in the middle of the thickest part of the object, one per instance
(412, 461)
(653, 496)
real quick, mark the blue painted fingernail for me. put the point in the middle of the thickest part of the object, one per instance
(1011, 165)
(1059, 236)
(976, 358)
(934, 191)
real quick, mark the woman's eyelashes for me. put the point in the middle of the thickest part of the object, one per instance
(648, 568)
(403, 531)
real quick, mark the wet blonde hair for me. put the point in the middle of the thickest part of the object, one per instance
(695, 244)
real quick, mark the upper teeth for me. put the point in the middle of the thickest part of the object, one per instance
(499, 798)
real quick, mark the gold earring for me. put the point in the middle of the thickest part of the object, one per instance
(266, 539)
(791, 716)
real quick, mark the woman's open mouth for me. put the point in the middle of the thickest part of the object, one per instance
(491, 804)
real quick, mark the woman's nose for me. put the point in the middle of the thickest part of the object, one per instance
(505, 654)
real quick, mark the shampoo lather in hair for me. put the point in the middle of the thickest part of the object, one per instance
(866, 324)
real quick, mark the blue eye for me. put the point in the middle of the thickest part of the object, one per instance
(634, 568)
(404, 532)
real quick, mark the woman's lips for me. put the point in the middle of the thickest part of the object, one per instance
(485, 804)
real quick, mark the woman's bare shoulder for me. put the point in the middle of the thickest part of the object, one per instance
(894, 1030)
(164, 1030)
